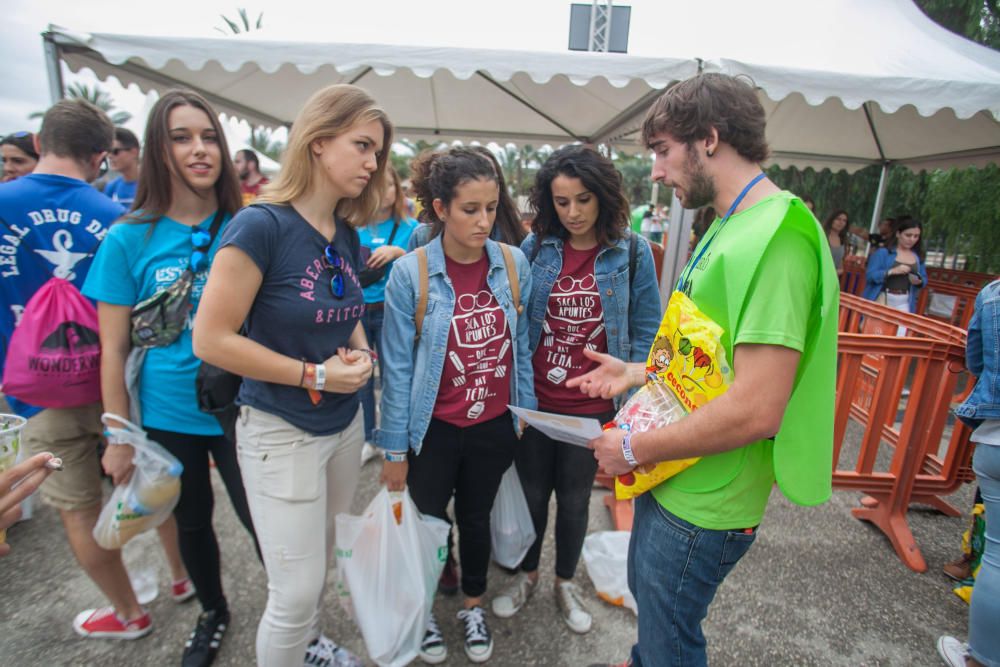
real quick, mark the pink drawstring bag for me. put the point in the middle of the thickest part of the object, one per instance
(54, 357)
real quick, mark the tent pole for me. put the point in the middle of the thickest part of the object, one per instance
(883, 182)
(675, 254)
(53, 69)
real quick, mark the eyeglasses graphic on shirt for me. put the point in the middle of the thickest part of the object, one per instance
(570, 284)
(336, 263)
(468, 303)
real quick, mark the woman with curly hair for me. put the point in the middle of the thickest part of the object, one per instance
(584, 297)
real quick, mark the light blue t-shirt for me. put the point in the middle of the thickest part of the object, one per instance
(132, 264)
(376, 236)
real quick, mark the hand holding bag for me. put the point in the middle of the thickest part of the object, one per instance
(388, 563)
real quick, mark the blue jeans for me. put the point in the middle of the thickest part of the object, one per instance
(372, 322)
(984, 610)
(674, 569)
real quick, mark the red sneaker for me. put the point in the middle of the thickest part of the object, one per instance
(107, 624)
(448, 583)
(183, 590)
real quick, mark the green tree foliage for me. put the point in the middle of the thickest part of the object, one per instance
(520, 164)
(96, 96)
(242, 24)
(262, 140)
(404, 150)
(978, 20)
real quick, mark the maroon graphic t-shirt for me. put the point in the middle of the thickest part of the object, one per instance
(574, 320)
(475, 382)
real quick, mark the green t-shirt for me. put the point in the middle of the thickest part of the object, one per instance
(763, 280)
(637, 214)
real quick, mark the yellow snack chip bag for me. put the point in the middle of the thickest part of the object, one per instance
(686, 368)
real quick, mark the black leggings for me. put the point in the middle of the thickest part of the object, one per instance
(468, 463)
(546, 465)
(199, 548)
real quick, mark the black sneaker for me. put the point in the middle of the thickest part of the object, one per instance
(203, 644)
(433, 650)
(324, 652)
(478, 641)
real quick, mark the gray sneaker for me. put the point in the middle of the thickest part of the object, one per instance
(571, 606)
(512, 598)
(952, 651)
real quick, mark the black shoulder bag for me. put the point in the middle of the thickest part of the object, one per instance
(371, 276)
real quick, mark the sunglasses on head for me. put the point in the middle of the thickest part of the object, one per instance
(18, 135)
(200, 240)
(335, 262)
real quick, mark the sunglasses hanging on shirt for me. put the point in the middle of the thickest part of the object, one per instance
(336, 263)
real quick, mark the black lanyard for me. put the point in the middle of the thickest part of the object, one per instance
(685, 279)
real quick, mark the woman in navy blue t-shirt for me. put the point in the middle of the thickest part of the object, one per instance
(287, 271)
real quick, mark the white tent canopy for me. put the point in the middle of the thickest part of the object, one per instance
(862, 82)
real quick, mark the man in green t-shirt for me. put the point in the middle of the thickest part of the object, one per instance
(764, 275)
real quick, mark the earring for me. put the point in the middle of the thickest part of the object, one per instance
(709, 153)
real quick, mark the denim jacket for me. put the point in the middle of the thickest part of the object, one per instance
(878, 265)
(982, 357)
(412, 370)
(630, 333)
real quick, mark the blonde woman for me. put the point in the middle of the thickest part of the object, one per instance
(287, 269)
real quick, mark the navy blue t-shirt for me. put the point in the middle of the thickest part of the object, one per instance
(51, 226)
(295, 312)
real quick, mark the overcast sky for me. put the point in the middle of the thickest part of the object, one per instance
(503, 24)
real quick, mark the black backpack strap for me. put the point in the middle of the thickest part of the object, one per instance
(216, 224)
(395, 228)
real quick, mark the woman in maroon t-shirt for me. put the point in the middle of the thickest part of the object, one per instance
(446, 429)
(583, 297)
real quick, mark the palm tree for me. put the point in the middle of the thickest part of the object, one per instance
(96, 96)
(419, 146)
(234, 28)
(262, 142)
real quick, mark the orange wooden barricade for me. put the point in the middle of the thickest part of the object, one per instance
(970, 278)
(853, 279)
(873, 365)
(947, 301)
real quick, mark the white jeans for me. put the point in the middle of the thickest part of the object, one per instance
(898, 302)
(296, 484)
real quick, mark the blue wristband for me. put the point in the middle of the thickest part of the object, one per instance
(394, 457)
(627, 450)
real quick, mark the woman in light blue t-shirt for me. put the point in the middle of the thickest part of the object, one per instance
(383, 241)
(187, 191)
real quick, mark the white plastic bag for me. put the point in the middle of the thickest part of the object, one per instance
(148, 498)
(511, 530)
(605, 554)
(388, 563)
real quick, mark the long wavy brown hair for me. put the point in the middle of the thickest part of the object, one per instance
(154, 193)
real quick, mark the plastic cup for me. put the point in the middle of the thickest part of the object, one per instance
(10, 443)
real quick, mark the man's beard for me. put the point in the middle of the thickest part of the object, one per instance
(701, 187)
